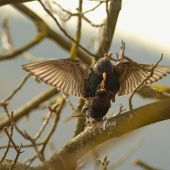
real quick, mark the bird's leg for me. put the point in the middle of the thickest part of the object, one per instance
(90, 98)
(113, 96)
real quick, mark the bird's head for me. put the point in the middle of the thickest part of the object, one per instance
(104, 65)
(101, 91)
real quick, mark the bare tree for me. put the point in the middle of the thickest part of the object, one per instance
(84, 139)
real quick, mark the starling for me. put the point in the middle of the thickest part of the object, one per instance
(80, 79)
(97, 106)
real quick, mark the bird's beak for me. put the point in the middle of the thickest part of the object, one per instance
(104, 76)
(102, 86)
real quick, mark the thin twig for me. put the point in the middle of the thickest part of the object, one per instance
(143, 81)
(39, 153)
(53, 109)
(103, 162)
(51, 131)
(142, 164)
(33, 141)
(23, 80)
(29, 106)
(56, 21)
(10, 138)
(47, 103)
(127, 154)
(52, 146)
(151, 70)
(25, 134)
(4, 105)
(16, 157)
(38, 38)
(7, 43)
(8, 145)
(70, 14)
(14, 146)
(53, 35)
(90, 43)
(23, 146)
(122, 57)
(28, 161)
(68, 101)
(120, 110)
(60, 100)
(91, 23)
(6, 151)
(93, 8)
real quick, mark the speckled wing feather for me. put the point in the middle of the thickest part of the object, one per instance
(69, 75)
(130, 76)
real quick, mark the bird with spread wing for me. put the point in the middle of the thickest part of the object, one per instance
(79, 79)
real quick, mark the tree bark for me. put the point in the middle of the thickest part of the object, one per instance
(98, 132)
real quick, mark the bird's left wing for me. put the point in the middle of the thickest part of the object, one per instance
(130, 76)
(69, 75)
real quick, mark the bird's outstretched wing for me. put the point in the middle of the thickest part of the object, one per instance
(130, 76)
(69, 75)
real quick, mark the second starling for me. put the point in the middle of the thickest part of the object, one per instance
(98, 106)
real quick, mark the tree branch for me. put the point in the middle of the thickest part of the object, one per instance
(142, 82)
(62, 41)
(6, 2)
(30, 105)
(66, 34)
(23, 80)
(80, 123)
(66, 157)
(38, 38)
(74, 48)
(156, 91)
(114, 9)
(143, 165)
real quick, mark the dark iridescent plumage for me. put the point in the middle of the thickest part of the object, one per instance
(112, 81)
(98, 106)
(80, 79)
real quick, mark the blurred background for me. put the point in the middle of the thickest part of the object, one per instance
(144, 27)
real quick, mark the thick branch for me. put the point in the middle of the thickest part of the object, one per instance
(5, 2)
(56, 118)
(66, 157)
(63, 30)
(80, 123)
(38, 38)
(74, 48)
(156, 91)
(62, 41)
(115, 7)
(30, 105)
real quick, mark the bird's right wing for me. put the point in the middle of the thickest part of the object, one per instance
(130, 76)
(69, 75)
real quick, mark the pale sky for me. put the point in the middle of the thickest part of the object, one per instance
(148, 20)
